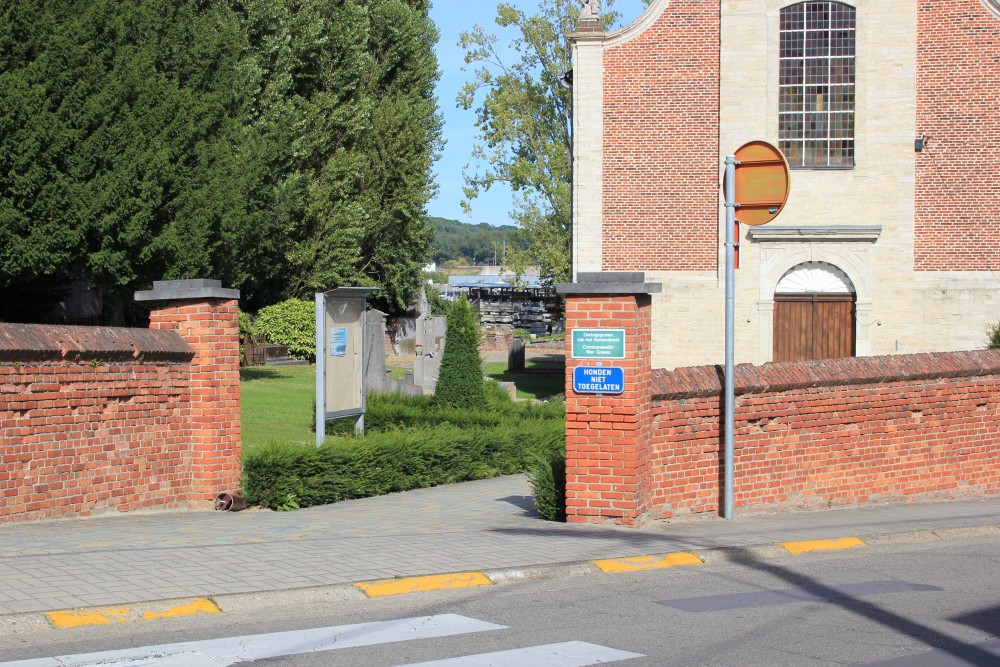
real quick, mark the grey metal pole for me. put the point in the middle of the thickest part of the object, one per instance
(730, 392)
(320, 369)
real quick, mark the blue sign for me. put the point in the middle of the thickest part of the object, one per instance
(598, 380)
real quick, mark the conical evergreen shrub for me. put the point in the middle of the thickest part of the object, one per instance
(460, 381)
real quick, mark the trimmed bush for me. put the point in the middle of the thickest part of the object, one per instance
(547, 475)
(392, 461)
(291, 323)
(460, 381)
(410, 443)
(387, 411)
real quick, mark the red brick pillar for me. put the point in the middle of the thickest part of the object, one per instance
(205, 315)
(607, 450)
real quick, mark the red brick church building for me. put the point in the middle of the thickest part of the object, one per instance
(888, 112)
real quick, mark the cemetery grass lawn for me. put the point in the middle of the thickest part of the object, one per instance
(276, 403)
(530, 385)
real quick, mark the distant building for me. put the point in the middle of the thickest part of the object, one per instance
(506, 280)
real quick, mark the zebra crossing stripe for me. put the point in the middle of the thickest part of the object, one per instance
(231, 650)
(565, 654)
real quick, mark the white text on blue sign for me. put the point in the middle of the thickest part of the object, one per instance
(598, 380)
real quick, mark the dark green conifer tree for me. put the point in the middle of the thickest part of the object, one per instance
(460, 382)
(282, 146)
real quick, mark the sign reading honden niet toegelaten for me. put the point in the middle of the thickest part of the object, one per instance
(598, 380)
(598, 344)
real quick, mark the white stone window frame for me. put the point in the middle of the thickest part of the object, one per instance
(803, 112)
(844, 247)
(993, 6)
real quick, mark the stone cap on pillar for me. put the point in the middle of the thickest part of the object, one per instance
(619, 282)
(173, 290)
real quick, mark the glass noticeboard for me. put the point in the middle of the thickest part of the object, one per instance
(340, 336)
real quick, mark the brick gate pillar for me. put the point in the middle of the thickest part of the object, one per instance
(206, 316)
(607, 451)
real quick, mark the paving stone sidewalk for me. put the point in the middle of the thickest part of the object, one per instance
(488, 524)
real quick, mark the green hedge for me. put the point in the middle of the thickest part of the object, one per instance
(278, 476)
(291, 323)
(387, 412)
(547, 475)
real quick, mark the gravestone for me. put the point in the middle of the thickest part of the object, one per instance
(428, 347)
(376, 374)
(515, 356)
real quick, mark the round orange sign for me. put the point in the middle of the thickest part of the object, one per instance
(762, 183)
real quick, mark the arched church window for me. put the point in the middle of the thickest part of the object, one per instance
(816, 85)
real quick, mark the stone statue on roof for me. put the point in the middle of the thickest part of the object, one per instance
(591, 9)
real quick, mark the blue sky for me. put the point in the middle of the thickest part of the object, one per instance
(452, 17)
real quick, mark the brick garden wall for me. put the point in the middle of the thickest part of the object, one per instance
(833, 432)
(808, 435)
(95, 419)
(958, 107)
(661, 144)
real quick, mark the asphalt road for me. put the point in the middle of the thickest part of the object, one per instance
(929, 603)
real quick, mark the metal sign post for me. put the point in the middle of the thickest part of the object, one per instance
(730, 388)
(759, 188)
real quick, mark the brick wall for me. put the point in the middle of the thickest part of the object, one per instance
(808, 434)
(95, 419)
(958, 104)
(832, 432)
(661, 143)
(211, 329)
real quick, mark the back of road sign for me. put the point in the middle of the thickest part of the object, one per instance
(762, 182)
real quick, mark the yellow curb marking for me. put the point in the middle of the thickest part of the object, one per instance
(76, 618)
(822, 545)
(382, 587)
(196, 606)
(637, 563)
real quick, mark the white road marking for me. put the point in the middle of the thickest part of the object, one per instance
(565, 654)
(231, 650)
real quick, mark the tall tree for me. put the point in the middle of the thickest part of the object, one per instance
(105, 110)
(525, 127)
(401, 146)
(282, 146)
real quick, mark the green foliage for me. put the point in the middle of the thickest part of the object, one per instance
(408, 444)
(547, 476)
(291, 503)
(283, 146)
(460, 381)
(438, 305)
(246, 324)
(385, 461)
(993, 342)
(525, 128)
(292, 323)
(471, 244)
(386, 412)
(523, 334)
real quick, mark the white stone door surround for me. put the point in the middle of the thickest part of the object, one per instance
(847, 250)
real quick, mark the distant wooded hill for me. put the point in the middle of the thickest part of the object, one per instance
(469, 244)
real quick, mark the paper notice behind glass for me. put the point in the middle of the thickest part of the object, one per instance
(344, 355)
